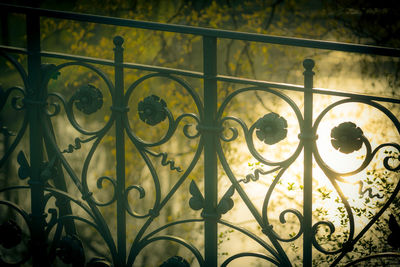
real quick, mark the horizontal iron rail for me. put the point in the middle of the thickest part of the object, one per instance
(13, 49)
(106, 62)
(290, 41)
(127, 65)
(300, 88)
(194, 74)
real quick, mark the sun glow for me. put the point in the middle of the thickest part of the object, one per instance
(328, 203)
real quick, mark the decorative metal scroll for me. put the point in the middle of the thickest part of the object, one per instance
(52, 228)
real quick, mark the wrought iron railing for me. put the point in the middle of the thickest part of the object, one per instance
(47, 161)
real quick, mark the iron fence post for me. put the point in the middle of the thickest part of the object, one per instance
(119, 109)
(210, 154)
(34, 103)
(307, 137)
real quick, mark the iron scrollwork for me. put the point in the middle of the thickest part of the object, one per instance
(348, 138)
(70, 250)
(269, 129)
(89, 99)
(10, 234)
(58, 231)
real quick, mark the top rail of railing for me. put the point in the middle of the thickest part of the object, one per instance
(264, 38)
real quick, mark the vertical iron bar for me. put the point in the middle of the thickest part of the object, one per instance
(33, 101)
(5, 38)
(118, 109)
(307, 136)
(5, 35)
(210, 154)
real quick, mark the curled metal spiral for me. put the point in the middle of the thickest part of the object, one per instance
(17, 102)
(14, 230)
(85, 98)
(85, 188)
(18, 107)
(142, 194)
(350, 129)
(250, 132)
(165, 161)
(255, 176)
(100, 186)
(187, 126)
(282, 219)
(362, 191)
(155, 106)
(18, 66)
(315, 227)
(77, 144)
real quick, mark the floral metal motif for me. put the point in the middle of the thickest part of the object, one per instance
(88, 99)
(10, 234)
(175, 261)
(347, 137)
(70, 250)
(271, 128)
(152, 110)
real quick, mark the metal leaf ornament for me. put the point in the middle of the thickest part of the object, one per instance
(347, 137)
(24, 168)
(49, 71)
(88, 99)
(226, 203)
(196, 202)
(271, 128)
(152, 110)
(10, 234)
